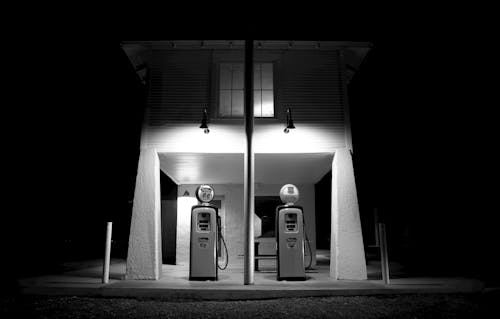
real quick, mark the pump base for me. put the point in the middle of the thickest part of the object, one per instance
(203, 278)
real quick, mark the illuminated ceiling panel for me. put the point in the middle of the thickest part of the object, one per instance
(195, 168)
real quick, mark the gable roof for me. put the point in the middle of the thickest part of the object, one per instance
(139, 51)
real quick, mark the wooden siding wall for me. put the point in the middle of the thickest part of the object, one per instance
(308, 81)
(311, 85)
(179, 87)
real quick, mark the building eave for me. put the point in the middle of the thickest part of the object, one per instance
(354, 51)
(239, 44)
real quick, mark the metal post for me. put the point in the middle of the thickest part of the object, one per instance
(248, 196)
(377, 236)
(383, 253)
(107, 254)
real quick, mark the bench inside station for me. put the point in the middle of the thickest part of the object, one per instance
(264, 254)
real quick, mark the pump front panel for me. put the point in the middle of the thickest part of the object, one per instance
(290, 240)
(203, 246)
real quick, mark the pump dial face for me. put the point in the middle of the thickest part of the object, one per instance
(205, 193)
(289, 194)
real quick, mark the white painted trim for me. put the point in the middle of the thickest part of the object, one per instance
(334, 224)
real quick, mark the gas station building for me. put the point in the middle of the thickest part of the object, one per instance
(183, 79)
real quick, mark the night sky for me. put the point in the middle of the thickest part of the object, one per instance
(421, 120)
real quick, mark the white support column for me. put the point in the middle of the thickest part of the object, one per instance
(347, 254)
(144, 258)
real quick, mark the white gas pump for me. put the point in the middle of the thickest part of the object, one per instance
(290, 234)
(206, 234)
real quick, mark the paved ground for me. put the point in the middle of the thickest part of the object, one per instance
(72, 294)
(84, 279)
(477, 305)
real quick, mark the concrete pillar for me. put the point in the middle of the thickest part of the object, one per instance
(144, 258)
(347, 254)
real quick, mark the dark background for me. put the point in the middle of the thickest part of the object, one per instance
(422, 123)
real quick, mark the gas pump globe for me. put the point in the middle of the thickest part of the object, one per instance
(205, 194)
(289, 194)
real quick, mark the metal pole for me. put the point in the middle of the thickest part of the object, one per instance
(248, 196)
(107, 254)
(383, 253)
(377, 236)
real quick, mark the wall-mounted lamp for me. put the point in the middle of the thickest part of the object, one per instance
(204, 122)
(289, 121)
(186, 193)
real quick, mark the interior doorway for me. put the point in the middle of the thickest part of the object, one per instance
(265, 208)
(218, 202)
(323, 198)
(168, 195)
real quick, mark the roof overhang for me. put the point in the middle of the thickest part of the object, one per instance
(139, 52)
(198, 168)
(240, 44)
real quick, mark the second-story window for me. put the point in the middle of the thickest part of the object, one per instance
(232, 88)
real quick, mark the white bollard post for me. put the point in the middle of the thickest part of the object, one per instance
(383, 253)
(107, 254)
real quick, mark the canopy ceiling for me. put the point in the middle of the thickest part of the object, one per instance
(197, 168)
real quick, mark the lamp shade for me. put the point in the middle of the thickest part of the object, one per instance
(289, 121)
(204, 121)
